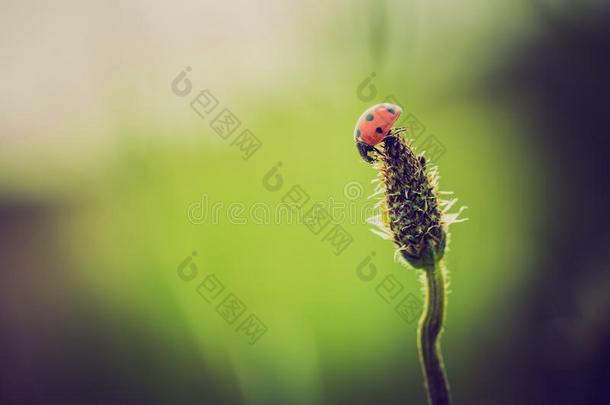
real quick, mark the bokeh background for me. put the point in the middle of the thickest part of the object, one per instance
(108, 179)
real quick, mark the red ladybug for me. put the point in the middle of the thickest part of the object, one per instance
(373, 126)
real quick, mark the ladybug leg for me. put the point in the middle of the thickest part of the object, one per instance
(398, 131)
(377, 150)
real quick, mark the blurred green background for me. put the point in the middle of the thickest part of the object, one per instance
(108, 179)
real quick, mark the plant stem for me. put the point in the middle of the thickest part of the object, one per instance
(430, 328)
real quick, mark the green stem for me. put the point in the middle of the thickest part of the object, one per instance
(430, 328)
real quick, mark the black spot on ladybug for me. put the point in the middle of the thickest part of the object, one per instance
(379, 130)
(369, 117)
(391, 111)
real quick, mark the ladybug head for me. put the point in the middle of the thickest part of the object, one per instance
(365, 151)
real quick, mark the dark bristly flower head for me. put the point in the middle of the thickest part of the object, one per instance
(412, 215)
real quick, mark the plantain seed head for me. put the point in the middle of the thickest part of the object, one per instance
(413, 215)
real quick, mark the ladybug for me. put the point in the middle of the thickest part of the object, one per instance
(373, 126)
